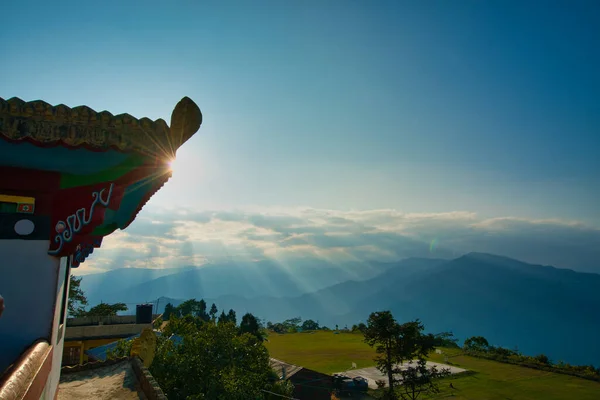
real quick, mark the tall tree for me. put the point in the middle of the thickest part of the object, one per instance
(201, 310)
(77, 299)
(396, 344)
(231, 317)
(105, 310)
(188, 307)
(213, 312)
(169, 309)
(222, 318)
(382, 333)
(250, 325)
(418, 377)
(310, 325)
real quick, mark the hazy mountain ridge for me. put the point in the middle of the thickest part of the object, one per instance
(540, 309)
(249, 280)
(108, 286)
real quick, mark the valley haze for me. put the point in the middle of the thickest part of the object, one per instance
(513, 304)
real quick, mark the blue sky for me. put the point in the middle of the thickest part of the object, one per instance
(489, 107)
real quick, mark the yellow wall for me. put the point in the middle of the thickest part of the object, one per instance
(85, 345)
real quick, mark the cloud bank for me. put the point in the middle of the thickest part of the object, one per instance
(162, 238)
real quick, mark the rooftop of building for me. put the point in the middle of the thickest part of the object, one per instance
(124, 378)
(282, 369)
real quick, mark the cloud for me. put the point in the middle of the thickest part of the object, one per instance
(161, 238)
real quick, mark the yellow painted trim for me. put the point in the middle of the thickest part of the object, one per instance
(16, 199)
(81, 353)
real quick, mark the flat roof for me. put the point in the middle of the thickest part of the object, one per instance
(111, 381)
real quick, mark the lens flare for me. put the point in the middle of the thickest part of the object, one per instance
(173, 165)
(433, 245)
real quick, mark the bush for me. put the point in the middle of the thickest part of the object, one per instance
(542, 359)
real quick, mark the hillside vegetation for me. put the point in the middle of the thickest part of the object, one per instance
(327, 352)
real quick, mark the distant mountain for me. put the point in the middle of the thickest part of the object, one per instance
(539, 309)
(248, 280)
(108, 286)
(329, 304)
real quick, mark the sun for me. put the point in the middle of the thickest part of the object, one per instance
(173, 164)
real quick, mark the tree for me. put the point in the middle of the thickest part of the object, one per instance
(169, 310)
(542, 359)
(446, 339)
(278, 328)
(396, 344)
(359, 328)
(222, 318)
(382, 333)
(201, 310)
(420, 378)
(212, 361)
(476, 343)
(77, 299)
(231, 317)
(213, 312)
(292, 325)
(280, 389)
(188, 307)
(106, 310)
(417, 377)
(250, 325)
(310, 325)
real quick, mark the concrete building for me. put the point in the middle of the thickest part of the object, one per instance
(86, 333)
(69, 177)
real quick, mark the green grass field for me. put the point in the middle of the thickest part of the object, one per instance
(328, 353)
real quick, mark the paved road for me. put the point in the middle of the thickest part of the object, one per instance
(372, 374)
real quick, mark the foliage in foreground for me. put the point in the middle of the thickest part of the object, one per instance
(77, 299)
(212, 361)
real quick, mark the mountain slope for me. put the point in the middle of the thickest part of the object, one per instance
(327, 303)
(108, 286)
(248, 280)
(539, 309)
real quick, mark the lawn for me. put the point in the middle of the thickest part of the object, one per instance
(327, 352)
(322, 351)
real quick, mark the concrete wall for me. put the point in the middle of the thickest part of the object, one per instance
(104, 331)
(28, 283)
(147, 382)
(109, 320)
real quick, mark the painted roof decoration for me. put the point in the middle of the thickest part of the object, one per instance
(39, 123)
(78, 174)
